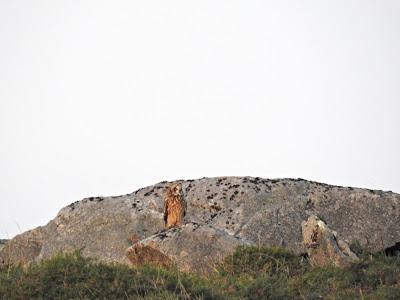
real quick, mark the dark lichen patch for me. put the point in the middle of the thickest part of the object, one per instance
(188, 188)
(195, 226)
(73, 205)
(215, 206)
(89, 199)
(309, 204)
(135, 203)
(256, 189)
(257, 181)
(137, 191)
(149, 193)
(212, 217)
(162, 235)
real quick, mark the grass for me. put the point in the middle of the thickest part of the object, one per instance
(250, 273)
(72, 276)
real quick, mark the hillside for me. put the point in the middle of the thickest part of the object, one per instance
(222, 213)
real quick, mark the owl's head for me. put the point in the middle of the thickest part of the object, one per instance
(175, 189)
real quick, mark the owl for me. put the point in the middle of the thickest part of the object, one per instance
(174, 206)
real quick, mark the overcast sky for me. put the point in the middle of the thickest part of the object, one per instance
(105, 97)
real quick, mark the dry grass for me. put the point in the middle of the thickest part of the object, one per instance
(250, 273)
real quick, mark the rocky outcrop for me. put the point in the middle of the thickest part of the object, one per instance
(225, 210)
(323, 246)
(191, 247)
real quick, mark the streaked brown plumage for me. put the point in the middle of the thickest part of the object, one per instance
(174, 206)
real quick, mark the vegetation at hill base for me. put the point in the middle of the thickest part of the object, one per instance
(250, 273)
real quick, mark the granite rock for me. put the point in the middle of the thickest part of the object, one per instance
(235, 210)
(192, 247)
(324, 247)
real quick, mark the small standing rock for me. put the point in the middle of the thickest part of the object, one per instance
(323, 246)
(2, 243)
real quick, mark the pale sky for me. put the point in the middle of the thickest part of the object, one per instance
(105, 97)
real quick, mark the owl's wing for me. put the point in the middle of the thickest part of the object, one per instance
(165, 211)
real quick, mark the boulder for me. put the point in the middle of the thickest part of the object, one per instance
(243, 209)
(323, 246)
(2, 243)
(192, 247)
